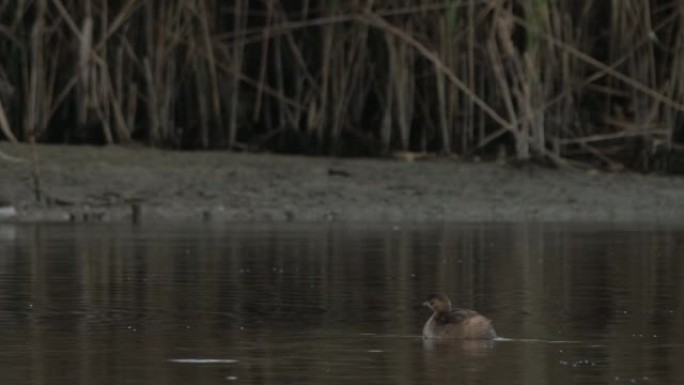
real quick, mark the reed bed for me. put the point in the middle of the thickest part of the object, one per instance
(556, 80)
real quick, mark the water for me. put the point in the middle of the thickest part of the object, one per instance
(338, 304)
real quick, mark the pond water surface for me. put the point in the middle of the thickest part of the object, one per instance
(338, 303)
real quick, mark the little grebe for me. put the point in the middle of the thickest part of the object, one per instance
(447, 323)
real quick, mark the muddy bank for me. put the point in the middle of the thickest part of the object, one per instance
(113, 183)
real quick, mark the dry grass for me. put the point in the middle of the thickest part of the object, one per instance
(543, 79)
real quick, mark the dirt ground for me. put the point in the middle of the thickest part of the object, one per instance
(112, 183)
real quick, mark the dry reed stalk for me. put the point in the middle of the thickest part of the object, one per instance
(537, 68)
(351, 84)
(151, 75)
(168, 102)
(658, 97)
(93, 55)
(228, 69)
(571, 51)
(153, 112)
(442, 111)
(504, 93)
(5, 126)
(608, 137)
(389, 95)
(515, 70)
(589, 81)
(321, 115)
(117, 97)
(239, 23)
(433, 58)
(6, 93)
(159, 72)
(211, 67)
(610, 164)
(469, 116)
(404, 92)
(344, 79)
(104, 83)
(320, 70)
(279, 80)
(613, 72)
(119, 74)
(675, 84)
(564, 115)
(131, 106)
(36, 93)
(340, 83)
(202, 103)
(120, 124)
(264, 59)
(302, 82)
(83, 70)
(447, 96)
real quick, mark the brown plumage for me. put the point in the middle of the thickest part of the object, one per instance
(448, 323)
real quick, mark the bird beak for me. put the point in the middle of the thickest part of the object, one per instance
(426, 303)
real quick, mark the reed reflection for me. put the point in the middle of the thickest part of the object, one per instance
(335, 303)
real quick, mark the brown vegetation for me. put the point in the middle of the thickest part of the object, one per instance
(547, 79)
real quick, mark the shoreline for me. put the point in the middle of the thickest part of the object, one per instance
(116, 183)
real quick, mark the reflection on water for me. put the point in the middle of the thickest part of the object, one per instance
(291, 304)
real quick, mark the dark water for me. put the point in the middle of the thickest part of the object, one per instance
(338, 304)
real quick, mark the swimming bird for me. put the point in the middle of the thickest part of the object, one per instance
(448, 323)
